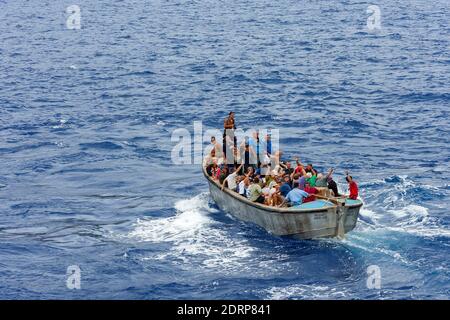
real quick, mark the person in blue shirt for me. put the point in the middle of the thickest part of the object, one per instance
(268, 144)
(254, 143)
(286, 186)
(295, 197)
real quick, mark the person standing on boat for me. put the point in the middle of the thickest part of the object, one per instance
(268, 144)
(352, 186)
(216, 147)
(249, 156)
(229, 126)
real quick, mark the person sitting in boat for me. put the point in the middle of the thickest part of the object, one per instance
(210, 158)
(322, 180)
(269, 189)
(311, 178)
(298, 177)
(223, 173)
(287, 167)
(250, 171)
(312, 191)
(275, 197)
(352, 186)
(243, 186)
(268, 179)
(327, 181)
(295, 197)
(299, 169)
(231, 179)
(285, 186)
(309, 168)
(212, 169)
(255, 191)
(300, 183)
(294, 179)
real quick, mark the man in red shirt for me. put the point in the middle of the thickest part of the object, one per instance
(299, 168)
(352, 186)
(312, 191)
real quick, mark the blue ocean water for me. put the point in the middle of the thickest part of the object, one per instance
(86, 118)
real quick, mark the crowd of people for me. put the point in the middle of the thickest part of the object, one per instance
(255, 172)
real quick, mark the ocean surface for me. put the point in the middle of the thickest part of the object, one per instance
(87, 116)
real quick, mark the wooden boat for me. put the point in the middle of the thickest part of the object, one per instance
(316, 219)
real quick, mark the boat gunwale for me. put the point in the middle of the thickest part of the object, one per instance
(270, 209)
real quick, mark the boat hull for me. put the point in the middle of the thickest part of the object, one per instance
(331, 221)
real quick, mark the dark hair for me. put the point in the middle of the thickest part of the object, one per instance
(230, 113)
(256, 180)
(347, 178)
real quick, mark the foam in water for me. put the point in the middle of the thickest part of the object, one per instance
(195, 236)
(305, 292)
(190, 219)
(392, 209)
(198, 240)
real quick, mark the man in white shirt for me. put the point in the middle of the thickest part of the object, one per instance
(231, 179)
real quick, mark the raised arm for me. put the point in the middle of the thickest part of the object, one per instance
(330, 172)
(303, 171)
(297, 161)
